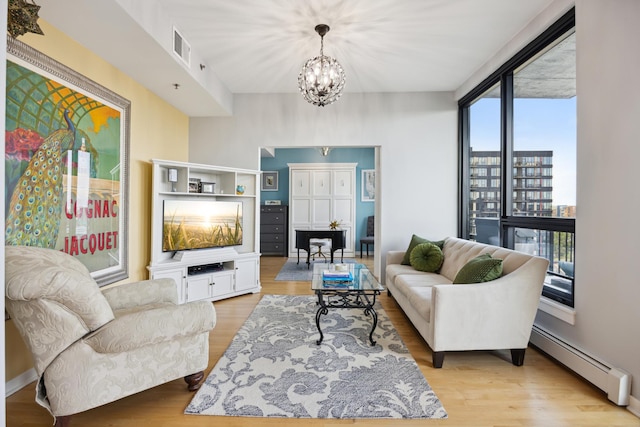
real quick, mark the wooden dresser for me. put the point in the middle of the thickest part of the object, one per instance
(273, 230)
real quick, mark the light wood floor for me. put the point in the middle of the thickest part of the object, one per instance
(476, 388)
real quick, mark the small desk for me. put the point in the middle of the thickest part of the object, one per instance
(337, 237)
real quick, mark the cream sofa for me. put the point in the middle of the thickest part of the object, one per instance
(90, 347)
(492, 315)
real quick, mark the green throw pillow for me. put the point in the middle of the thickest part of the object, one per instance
(482, 268)
(416, 240)
(426, 257)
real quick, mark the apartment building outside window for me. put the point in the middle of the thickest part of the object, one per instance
(518, 132)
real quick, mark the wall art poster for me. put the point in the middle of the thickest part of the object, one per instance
(368, 185)
(269, 181)
(66, 163)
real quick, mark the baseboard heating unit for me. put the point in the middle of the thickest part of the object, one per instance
(615, 382)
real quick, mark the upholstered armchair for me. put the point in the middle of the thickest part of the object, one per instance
(91, 347)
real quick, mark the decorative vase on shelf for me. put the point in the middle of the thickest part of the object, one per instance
(240, 189)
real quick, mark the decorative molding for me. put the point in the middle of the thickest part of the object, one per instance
(634, 406)
(20, 382)
(321, 165)
(32, 56)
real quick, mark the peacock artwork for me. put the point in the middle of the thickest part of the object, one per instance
(35, 209)
(63, 170)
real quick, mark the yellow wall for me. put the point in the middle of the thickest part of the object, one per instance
(158, 130)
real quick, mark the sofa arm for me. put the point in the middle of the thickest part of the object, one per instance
(492, 315)
(142, 293)
(394, 257)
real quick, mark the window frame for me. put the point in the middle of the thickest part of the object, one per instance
(507, 221)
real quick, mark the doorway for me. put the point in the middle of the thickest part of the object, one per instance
(274, 162)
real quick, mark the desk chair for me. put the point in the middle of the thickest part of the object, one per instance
(318, 244)
(369, 239)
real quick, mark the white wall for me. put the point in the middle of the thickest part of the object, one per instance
(608, 202)
(415, 132)
(607, 234)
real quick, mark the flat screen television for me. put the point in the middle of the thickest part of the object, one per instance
(200, 224)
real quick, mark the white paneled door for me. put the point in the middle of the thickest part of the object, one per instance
(320, 193)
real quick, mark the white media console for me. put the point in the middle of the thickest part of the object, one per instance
(207, 274)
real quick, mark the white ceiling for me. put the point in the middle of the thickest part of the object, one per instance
(259, 46)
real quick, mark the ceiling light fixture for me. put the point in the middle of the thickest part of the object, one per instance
(22, 18)
(322, 78)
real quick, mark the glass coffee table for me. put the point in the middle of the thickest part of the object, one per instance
(345, 286)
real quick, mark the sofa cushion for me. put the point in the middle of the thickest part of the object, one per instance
(426, 257)
(482, 268)
(411, 281)
(416, 240)
(394, 270)
(416, 289)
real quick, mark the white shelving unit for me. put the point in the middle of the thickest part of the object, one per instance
(207, 274)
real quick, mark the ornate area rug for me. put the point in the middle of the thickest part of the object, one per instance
(273, 368)
(292, 271)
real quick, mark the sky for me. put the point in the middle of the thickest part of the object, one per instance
(539, 124)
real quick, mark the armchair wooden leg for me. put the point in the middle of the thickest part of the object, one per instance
(517, 356)
(437, 359)
(63, 421)
(193, 380)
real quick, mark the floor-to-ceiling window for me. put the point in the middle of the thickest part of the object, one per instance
(484, 167)
(518, 156)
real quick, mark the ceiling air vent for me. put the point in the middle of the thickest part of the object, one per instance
(181, 47)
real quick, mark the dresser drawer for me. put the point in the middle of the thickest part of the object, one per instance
(272, 248)
(271, 238)
(272, 218)
(273, 209)
(272, 228)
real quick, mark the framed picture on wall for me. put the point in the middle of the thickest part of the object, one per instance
(368, 185)
(269, 180)
(67, 153)
(194, 185)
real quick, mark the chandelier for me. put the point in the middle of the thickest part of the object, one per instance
(322, 78)
(22, 18)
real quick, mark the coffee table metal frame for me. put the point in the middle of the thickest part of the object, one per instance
(360, 293)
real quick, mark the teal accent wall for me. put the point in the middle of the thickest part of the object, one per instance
(364, 157)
